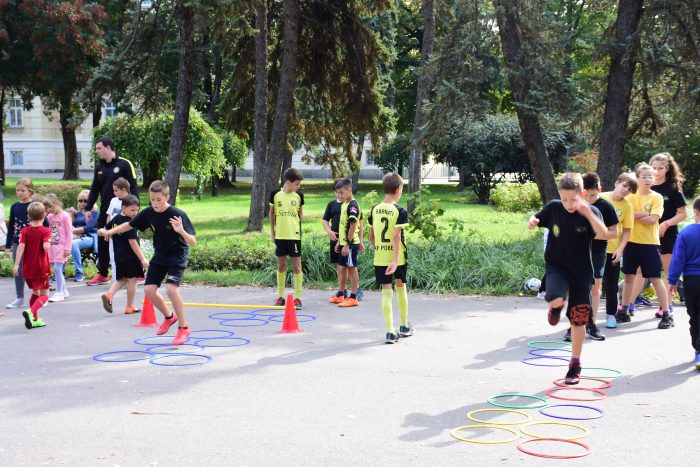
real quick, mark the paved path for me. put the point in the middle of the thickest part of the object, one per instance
(333, 395)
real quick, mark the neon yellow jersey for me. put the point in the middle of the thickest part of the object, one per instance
(349, 212)
(653, 203)
(286, 207)
(384, 218)
(625, 216)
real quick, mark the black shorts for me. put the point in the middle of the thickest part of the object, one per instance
(349, 261)
(128, 270)
(668, 241)
(334, 254)
(157, 272)
(578, 307)
(642, 256)
(598, 264)
(382, 278)
(290, 248)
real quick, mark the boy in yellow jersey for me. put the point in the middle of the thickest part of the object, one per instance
(625, 185)
(387, 221)
(349, 241)
(642, 250)
(286, 207)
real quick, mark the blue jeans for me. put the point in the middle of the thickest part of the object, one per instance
(82, 243)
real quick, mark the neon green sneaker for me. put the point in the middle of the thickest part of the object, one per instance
(38, 323)
(28, 318)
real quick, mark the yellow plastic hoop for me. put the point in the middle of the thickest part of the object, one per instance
(495, 427)
(586, 432)
(490, 422)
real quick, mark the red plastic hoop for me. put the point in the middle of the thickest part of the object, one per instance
(606, 384)
(553, 456)
(551, 391)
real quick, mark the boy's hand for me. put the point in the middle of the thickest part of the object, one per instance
(176, 224)
(337, 248)
(362, 247)
(145, 263)
(532, 222)
(66, 253)
(583, 207)
(672, 289)
(8, 252)
(617, 256)
(663, 227)
(332, 236)
(102, 232)
(15, 270)
(345, 251)
(391, 269)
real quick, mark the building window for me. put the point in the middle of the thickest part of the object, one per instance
(146, 4)
(14, 113)
(110, 109)
(17, 158)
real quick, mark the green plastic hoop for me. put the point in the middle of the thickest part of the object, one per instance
(536, 345)
(505, 406)
(617, 373)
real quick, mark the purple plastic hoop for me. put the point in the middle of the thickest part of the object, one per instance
(527, 361)
(535, 352)
(600, 411)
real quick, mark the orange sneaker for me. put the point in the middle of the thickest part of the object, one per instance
(131, 310)
(336, 299)
(349, 302)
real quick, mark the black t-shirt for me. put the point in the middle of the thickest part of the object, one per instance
(122, 250)
(332, 214)
(569, 242)
(673, 199)
(609, 219)
(106, 173)
(170, 249)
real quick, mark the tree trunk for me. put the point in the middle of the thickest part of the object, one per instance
(617, 102)
(356, 174)
(285, 95)
(286, 161)
(213, 111)
(151, 173)
(257, 194)
(96, 116)
(178, 137)
(425, 79)
(71, 169)
(2, 139)
(462, 179)
(233, 174)
(509, 32)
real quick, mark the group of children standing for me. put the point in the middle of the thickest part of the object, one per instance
(593, 236)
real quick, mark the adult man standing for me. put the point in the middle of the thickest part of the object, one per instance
(108, 169)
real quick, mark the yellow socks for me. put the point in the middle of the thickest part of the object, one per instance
(402, 299)
(281, 279)
(387, 296)
(298, 281)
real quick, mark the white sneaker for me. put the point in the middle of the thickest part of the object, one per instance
(56, 297)
(541, 295)
(65, 293)
(18, 303)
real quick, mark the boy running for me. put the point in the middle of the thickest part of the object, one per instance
(387, 222)
(33, 254)
(572, 223)
(173, 234)
(286, 213)
(349, 241)
(625, 185)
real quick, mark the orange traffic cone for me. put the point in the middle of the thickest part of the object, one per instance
(290, 324)
(148, 316)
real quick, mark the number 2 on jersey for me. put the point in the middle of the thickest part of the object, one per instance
(385, 221)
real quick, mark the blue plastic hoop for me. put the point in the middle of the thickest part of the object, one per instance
(99, 356)
(197, 334)
(300, 318)
(169, 340)
(223, 315)
(216, 342)
(600, 411)
(177, 349)
(527, 361)
(155, 358)
(226, 322)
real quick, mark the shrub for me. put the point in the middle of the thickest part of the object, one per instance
(227, 254)
(516, 197)
(66, 192)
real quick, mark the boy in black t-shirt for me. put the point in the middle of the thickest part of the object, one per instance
(128, 258)
(173, 234)
(572, 224)
(331, 223)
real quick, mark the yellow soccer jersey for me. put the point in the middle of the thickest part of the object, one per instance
(625, 216)
(286, 207)
(383, 219)
(653, 203)
(349, 212)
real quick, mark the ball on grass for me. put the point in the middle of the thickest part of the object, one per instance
(532, 285)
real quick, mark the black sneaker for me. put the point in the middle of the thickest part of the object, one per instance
(567, 336)
(622, 317)
(406, 331)
(593, 332)
(392, 337)
(666, 322)
(573, 376)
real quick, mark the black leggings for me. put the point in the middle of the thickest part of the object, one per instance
(611, 277)
(691, 284)
(102, 247)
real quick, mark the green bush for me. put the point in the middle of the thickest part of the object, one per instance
(226, 254)
(66, 192)
(516, 197)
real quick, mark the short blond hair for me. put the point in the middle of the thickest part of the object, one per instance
(159, 186)
(571, 181)
(36, 211)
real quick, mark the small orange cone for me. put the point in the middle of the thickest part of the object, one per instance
(290, 324)
(148, 316)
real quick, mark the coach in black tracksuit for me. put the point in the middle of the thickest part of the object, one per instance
(110, 168)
